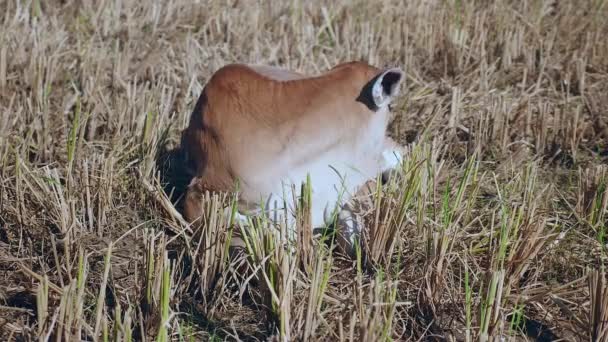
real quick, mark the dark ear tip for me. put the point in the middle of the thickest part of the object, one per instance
(387, 79)
(394, 75)
(391, 79)
(396, 70)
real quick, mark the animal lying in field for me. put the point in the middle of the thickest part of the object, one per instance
(269, 128)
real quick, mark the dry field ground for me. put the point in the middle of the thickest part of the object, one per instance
(495, 229)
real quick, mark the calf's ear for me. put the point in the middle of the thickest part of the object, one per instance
(380, 91)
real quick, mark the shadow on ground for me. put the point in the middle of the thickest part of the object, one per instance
(171, 164)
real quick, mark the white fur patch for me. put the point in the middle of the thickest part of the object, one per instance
(239, 219)
(335, 175)
(391, 159)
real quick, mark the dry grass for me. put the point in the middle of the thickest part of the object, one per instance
(496, 226)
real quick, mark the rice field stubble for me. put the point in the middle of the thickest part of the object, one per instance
(495, 226)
